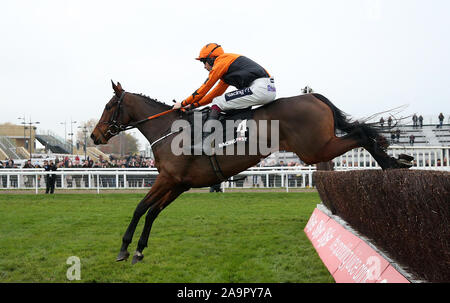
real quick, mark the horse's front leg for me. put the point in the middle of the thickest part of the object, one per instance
(153, 212)
(155, 193)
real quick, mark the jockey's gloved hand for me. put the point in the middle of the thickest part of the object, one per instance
(177, 105)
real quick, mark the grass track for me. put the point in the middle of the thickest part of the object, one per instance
(201, 237)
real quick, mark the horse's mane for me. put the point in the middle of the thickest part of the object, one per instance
(152, 101)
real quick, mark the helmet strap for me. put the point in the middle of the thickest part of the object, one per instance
(217, 46)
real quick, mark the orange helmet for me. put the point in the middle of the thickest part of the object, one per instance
(210, 50)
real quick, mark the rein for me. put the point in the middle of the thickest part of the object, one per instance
(158, 115)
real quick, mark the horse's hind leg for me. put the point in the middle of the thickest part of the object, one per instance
(384, 160)
(376, 146)
(335, 147)
(357, 138)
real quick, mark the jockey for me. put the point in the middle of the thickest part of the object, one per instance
(254, 84)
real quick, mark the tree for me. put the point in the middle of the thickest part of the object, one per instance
(89, 125)
(122, 144)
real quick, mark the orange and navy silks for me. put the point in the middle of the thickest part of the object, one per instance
(230, 69)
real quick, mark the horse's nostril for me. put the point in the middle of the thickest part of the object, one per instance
(94, 139)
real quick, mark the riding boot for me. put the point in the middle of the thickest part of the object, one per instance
(208, 148)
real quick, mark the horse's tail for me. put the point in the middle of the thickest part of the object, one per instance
(343, 123)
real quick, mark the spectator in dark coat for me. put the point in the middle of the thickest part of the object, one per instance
(28, 179)
(215, 188)
(441, 120)
(414, 118)
(50, 179)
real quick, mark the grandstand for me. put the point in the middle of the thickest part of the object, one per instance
(14, 144)
(53, 142)
(427, 135)
(442, 135)
(8, 148)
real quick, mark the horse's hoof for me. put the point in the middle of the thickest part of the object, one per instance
(123, 255)
(405, 157)
(138, 256)
(404, 163)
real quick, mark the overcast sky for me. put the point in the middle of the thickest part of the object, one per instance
(367, 56)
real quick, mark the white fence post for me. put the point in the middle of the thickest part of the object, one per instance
(98, 183)
(287, 183)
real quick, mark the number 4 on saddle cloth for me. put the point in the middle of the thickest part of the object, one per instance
(230, 129)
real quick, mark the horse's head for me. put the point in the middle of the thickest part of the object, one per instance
(115, 117)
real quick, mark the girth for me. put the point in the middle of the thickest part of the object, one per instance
(216, 168)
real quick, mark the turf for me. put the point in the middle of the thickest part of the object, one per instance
(201, 237)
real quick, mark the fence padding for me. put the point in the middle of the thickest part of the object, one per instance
(405, 213)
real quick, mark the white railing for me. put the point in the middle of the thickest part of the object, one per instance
(138, 178)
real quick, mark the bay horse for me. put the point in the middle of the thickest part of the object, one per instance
(307, 126)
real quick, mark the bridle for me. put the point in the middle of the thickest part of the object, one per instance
(114, 126)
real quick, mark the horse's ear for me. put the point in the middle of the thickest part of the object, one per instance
(117, 88)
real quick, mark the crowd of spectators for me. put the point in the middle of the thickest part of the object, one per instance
(66, 162)
(417, 121)
(8, 164)
(75, 180)
(268, 162)
(112, 162)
